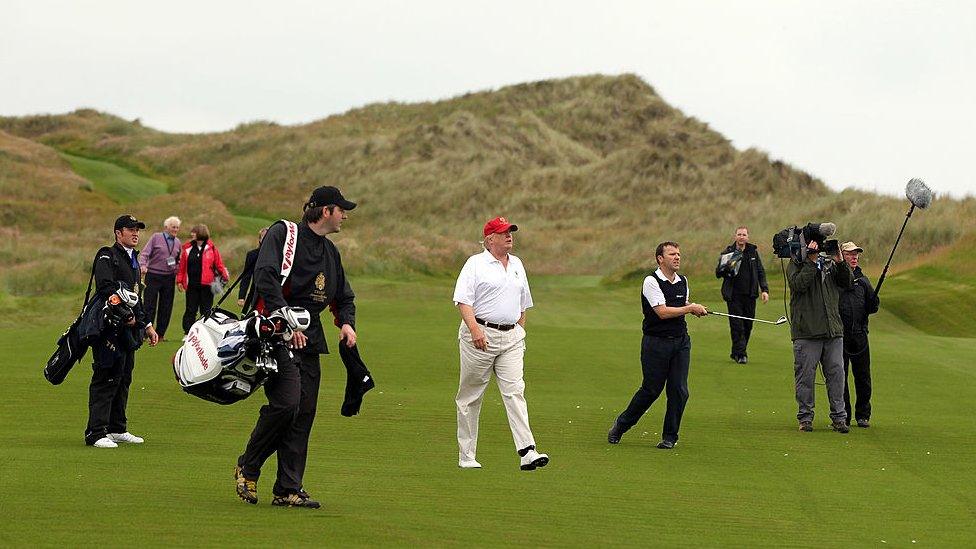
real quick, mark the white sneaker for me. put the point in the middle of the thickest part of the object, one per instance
(532, 460)
(126, 437)
(469, 464)
(105, 442)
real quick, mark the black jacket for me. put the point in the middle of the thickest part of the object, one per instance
(112, 265)
(856, 303)
(316, 280)
(247, 274)
(358, 380)
(750, 260)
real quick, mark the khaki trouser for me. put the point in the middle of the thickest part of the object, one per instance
(504, 357)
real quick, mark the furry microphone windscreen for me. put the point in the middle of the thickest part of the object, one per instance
(827, 229)
(918, 193)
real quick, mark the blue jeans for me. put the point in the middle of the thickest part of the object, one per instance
(665, 363)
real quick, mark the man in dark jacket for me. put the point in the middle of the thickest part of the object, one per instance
(314, 280)
(245, 296)
(816, 282)
(856, 303)
(114, 350)
(743, 280)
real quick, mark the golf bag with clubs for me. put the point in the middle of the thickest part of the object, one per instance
(225, 359)
(97, 316)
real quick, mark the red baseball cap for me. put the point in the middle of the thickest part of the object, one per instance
(499, 225)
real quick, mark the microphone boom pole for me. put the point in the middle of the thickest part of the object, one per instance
(919, 195)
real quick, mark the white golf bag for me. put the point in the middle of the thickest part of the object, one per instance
(225, 360)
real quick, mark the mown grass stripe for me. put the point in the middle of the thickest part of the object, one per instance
(119, 184)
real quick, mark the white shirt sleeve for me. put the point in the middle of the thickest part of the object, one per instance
(687, 292)
(464, 289)
(652, 292)
(526, 297)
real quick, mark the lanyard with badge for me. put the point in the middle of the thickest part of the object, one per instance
(170, 260)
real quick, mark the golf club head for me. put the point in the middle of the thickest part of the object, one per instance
(781, 320)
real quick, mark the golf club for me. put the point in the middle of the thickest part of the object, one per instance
(780, 320)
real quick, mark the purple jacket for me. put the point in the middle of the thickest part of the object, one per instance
(155, 253)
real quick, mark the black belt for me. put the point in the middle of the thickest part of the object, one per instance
(502, 327)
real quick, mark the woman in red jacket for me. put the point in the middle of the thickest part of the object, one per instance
(200, 264)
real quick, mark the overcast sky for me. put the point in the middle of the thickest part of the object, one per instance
(862, 94)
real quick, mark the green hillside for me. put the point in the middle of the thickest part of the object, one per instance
(119, 184)
(596, 170)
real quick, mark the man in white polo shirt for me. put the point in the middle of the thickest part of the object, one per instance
(492, 294)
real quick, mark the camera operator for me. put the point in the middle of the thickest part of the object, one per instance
(743, 280)
(114, 350)
(856, 303)
(816, 282)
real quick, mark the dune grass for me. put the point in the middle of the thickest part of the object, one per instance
(599, 168)
(741, 475)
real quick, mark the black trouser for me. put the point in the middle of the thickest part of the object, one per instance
(285, 423)
(108, 393)
(664, 361)
(198, 298)
(860, 363)
(159, 290)
(741, 305)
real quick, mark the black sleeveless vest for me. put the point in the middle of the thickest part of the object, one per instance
(675, 295)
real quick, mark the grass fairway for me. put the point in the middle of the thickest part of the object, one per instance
(741, 476)
(118, 183)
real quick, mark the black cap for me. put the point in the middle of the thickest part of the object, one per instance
(323, 196)
(128, 222)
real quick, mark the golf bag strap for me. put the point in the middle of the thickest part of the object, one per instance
(91, 278)
(229, 290)
(288, 250)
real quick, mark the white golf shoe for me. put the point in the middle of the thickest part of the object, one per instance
(125, 437)
(469, 464)
(105, 442)
(533, 460)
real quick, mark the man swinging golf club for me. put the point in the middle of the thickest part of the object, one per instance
(665, 348)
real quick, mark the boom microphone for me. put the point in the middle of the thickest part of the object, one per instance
(827, 229)
(920, 195)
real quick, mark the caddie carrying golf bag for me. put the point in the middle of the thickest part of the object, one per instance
(225, 360)
(98, 315)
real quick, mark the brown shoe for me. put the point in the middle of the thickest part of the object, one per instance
(297, 499)
(863, 423)
(840, 427)
(247, 489)
(806, 426)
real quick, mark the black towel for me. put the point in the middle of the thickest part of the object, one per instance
(358, 379)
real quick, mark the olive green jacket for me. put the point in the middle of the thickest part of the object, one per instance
(814, 298)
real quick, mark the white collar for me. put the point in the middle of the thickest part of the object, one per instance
(491, 257)
(660, 273)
